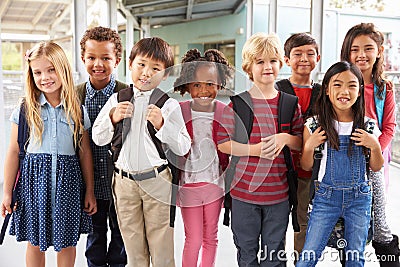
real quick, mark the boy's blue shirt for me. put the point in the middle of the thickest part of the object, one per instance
(94, 101)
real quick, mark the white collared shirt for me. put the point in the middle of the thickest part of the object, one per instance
(138, 152)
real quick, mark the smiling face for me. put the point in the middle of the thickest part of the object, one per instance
(264, 70)
(303, 59)
(100, 60)
(143, 72)
(364, 53)
(343, 91)
(45, 77)
(204, 88)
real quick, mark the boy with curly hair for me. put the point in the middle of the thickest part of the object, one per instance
(101, 51)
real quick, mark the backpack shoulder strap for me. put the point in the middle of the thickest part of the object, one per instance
(379, 104)
(158, 98)
(119, 86)
(317, 157)
(316, 87)
(244, 116)
(125, 94)
(286, 86)
(186, 113)
(286, 110)
(81, 91)
(121, 128)
(23, 132)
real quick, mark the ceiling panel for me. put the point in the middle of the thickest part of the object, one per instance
(53, 16)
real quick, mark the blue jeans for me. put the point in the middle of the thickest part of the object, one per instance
(343, 192)
(249, 222)
(97, 254)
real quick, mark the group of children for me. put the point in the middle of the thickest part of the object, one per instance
(156, 141)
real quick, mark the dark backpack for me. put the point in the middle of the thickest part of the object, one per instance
(244, 116)
(158, 98)
(286, 86)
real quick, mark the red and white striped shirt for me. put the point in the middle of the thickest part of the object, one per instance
(257, 180)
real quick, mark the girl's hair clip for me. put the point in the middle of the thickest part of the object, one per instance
(27, 54)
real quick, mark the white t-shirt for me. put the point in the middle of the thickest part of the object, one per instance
(343, 128)
(202, 164)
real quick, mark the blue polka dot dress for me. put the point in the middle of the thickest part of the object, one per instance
(51, 188)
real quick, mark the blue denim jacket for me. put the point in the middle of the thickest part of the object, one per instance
(57, 138)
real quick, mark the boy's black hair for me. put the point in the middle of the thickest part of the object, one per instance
(299, 39)
(102, 34)
(324, 107)
(154, 48)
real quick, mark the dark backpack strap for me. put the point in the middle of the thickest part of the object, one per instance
(287, 108)
(244, 116)
(286, 86)
(122, 127)
(157, 98)
(317, 159)
(23, 140)
(316, 87)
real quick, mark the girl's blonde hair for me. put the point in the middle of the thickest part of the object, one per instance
(55, 54)
(261, 44)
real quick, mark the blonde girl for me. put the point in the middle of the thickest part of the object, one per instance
(53, 201)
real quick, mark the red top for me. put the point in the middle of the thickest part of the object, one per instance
(304, 95)
(388, 120)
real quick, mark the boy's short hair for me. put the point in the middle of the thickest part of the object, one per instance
(102, 34)
(261, 44)
(154, 48)
(299, 39)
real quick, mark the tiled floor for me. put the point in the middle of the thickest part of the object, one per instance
(12, 254)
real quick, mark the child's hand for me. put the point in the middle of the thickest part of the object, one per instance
(90, 203)
(317, 138)
(363, 138)
(272, 146)
(121, 111)
(5, 206)
(154, 115)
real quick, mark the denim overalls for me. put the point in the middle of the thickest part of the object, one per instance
(343, 192)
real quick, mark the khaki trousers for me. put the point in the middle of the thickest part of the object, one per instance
(143, 216)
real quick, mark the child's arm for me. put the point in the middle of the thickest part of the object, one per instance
(310, 142)
(241, 150)
(11, 166)
(86, 161)
(362, 138)
(111, 113)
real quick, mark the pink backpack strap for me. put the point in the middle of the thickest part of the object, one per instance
(187, 116)
(218, 111)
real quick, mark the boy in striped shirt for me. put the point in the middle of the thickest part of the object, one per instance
(259, 190)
